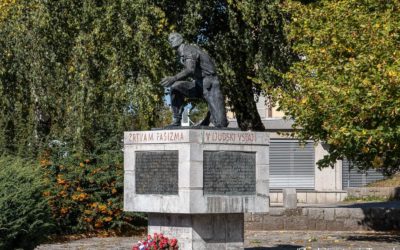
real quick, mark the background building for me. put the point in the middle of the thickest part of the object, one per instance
(294, 165)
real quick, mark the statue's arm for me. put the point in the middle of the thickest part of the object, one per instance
(190, 65)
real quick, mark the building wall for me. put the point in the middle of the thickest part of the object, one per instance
(327, 179)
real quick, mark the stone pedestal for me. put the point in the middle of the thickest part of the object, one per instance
(201, 231)
(197, 182)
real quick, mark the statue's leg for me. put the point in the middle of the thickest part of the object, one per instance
(215, 100)
(179, 90)
(205, 121)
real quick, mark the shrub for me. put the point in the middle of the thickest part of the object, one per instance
(86, 195)
(25, 215)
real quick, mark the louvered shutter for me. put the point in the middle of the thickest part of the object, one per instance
(291, 164)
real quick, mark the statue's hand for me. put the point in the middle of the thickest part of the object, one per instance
(167, 81)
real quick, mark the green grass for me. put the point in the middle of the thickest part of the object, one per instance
(365, 199)
(393, 181)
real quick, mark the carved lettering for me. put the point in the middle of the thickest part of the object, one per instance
(230, 137)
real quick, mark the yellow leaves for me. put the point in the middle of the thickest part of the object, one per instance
(107, 219)
(102, 208)
(392, 73)
(88, 219)
(366, 82)
(80, 197)
(98, 224)
(94, 205)
(377, 162)
(45, 162)
(71, 69)
(64, 210)
(5, 5)
(60, 180)
(63, 193)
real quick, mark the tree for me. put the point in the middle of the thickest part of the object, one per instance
(346, 91)
(82, 72)
(247, 41)
(79, 72)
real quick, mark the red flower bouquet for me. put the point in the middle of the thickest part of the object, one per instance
(157, 242)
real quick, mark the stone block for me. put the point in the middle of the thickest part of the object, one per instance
(320, 225)
(254, 226)
(302, 197)
(262, 187)
(273, 197)
(329, 214)
(342, 213)
(330, 198)
(352, 225)
(276, 211)
(315, 213)
(273, 223)
(311, 198)
(257, 217)
(296, 223)
(289, 198)
(321, 198)
(336, 225)
(293, 212)
(129, 158)
(359, 214)
(248, 217)
(311, 224)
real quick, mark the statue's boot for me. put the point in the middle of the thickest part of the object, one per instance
(176, 121)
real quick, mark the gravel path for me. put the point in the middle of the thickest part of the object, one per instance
(262, 240)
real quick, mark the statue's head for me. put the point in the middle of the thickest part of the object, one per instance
(175, 39)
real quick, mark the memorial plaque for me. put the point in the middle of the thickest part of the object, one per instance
(156, 172)
(229, 172)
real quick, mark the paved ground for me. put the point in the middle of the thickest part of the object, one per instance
(262, 240)
(386, 204)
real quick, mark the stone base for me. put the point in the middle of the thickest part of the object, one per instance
(200, 231)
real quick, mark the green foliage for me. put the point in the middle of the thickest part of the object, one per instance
(86, 195)
(79, 72)
(25, 217)
(346, 91)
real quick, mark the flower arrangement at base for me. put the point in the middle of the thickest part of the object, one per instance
(157, 242)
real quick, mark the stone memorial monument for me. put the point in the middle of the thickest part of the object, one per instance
(197, 183)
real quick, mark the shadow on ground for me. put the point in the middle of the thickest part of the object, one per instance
(277, 247)
(375, 238)
(379, 216)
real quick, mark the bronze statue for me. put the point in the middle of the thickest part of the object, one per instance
(205, 84)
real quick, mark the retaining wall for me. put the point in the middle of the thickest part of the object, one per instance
(311, 197)
(325, 219)
(385, 192)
